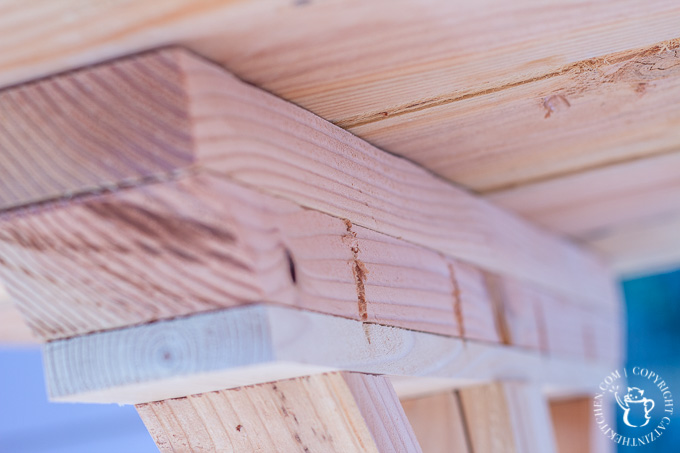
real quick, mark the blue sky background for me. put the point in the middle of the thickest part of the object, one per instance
(29, 424)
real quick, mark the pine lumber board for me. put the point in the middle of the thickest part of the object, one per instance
(594, 113)
(602, 74)
(590, 203)
(641, 248)
(331, 58)
(259, 140)
(200, 243)
(516, 411)
(572, 420)
(248, 136)
(259, 343)
(335, 412)
(89, 131)
(438, 422)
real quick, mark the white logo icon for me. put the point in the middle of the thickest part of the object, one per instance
(636, 409)
(621, 398)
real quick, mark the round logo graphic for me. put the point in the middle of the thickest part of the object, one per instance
(643, 403)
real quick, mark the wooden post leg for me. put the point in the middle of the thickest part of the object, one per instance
(335, 412)
(575, 427)
(507, 418)
(438, 422)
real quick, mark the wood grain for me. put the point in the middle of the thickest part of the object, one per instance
(556, 89)
(591, 203)
(485, 406)
(641, 248)
(199, 242)
(507, 417)
(259, 140)
(369, 79)
(590, 114)
(531, 317)
(202, 243)
(93, 130)
(337, 412)
(438, 422)
(257, 343)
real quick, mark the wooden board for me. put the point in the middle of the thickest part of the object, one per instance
(204, 243)
(337, 412)
(247, 345)
(90, 131)
(491, 95)
(590, 115)
(518, 413)
(438, 422)
(643, 247)
(593, 204)
(198, 242)
(317, 165)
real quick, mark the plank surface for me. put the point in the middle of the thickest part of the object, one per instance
(438, 422)
(556, 89)
(644, 247)
(172, 249)
(387, 251)
(592, 203)
(91, 131)
(337, 412)
(253, 344)
(588, 115)
(262, 141)
(517, 412)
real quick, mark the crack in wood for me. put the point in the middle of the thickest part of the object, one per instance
(359, 271)
(457, 302)
(592, 64)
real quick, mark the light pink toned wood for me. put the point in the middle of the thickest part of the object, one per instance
(438, 422)
(172, 249)
(507, 417)
(117, 125)
(382, 253)
(337, 412)
(259, 140)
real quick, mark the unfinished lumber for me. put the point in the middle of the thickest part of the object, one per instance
(590, 114)
(201, 243)
(245, 134)
(518, 413)
(259, 343)
(644, 247)
(335, 412)
(438, 422)
(333, 59)
(591, 203)
(254, 138)
(572, 420)
(90, 131)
